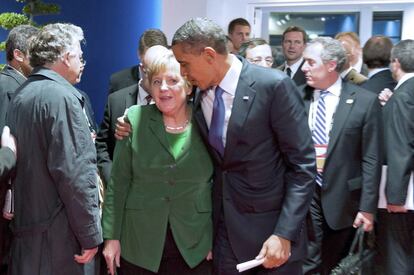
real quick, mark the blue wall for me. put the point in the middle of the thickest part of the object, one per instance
(112, 29)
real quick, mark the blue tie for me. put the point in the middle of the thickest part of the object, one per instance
(319, 133)
(215, 135)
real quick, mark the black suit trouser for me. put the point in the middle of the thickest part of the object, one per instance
(225, 261)
(328, 246)
(395, 240)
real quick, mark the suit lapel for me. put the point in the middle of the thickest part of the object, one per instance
(243, 101)
(132, 98)
(346, 102)
(202, 125)
(156, 125)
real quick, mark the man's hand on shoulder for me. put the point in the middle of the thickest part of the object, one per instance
(276, 251)
(122, 129)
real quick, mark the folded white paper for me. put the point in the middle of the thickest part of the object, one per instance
(249, 264)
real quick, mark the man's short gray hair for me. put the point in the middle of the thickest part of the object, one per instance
(52, 42)
(332, 50)
(198, 33)
(404, 52)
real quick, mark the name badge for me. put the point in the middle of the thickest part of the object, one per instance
(320, 150)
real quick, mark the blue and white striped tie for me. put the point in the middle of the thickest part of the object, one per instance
(319, 133)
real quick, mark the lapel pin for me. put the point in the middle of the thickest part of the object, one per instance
(349, 101)
(245, 98)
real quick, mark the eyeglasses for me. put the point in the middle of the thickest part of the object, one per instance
(258, 60)
(82, 61)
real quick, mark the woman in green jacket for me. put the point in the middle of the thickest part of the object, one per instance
(157, 210)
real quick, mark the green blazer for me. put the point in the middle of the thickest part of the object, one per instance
(149, 188)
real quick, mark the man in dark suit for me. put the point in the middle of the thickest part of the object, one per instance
(396, 222)
(346, 127)
(262, 150)
(117, 103)
(130, 76)
(293, 44)
(376, 55)
(11, 77)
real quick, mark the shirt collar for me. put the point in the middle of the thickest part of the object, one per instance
(335, 88)
(295, 66)
(231, 78)
(375, 71)
(345, 72)
(403, 79)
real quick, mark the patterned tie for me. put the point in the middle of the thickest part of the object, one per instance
(319, 134)
(289, 72)
(148, 98)
(215, 134)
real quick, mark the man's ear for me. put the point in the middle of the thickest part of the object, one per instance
(18, 55)
(209, 54)
(331, 66)
(65, 59)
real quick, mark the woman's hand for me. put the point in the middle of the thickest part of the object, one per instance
(112, 254)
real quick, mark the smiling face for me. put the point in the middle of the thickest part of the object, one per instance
(169, 90)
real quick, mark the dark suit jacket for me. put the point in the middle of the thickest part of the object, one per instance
(265, 181)
(89, 110)
(124, 78)
(380, 81)
(353, 165)
(299, 77)
(105, 140)
(10, 80)
(399, 134)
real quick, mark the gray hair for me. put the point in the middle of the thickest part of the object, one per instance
(53, 41)
(332, 50)
(18, 39)
(404, 52)
(198, 33)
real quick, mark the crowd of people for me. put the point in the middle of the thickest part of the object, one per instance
(209, 154)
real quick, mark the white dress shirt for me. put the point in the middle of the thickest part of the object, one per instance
(331, 102)
(403, 79)
(142, 94)
(294, 67)
(229, 85)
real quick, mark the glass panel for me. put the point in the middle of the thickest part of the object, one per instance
(388, 24)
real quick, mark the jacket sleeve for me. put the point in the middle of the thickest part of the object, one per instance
(71, 163)
(399, 133)
(291, 129)
(104, 139)
(372, 156)
(117, 189)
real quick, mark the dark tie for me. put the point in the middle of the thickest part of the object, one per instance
(215, 134)
(319, 134)
(289, 72)
(148, 98)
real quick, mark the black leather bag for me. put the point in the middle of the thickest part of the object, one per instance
(356, 258)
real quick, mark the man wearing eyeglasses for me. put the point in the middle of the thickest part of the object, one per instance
(293, 45)
(257, 51)
(56, 225)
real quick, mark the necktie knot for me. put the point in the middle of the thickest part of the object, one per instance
(148, 99)
(289, 71)
(324, 94)
(215, 135)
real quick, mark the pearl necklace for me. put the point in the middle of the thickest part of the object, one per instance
(178, 128)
